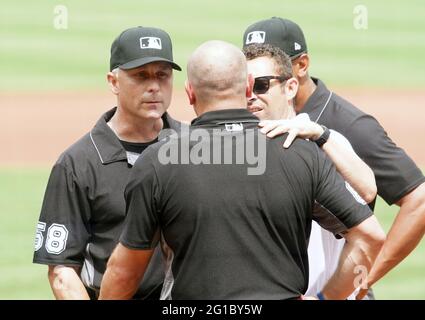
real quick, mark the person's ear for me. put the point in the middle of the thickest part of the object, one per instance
(113, 82)
(249, 86)
(300, 66)
(190, 93)
(291, 88)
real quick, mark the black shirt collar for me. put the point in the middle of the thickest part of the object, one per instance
(107, 144)
(317, 100)
(221, 117)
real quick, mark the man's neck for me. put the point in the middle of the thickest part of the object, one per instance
(290, 112)
(131, 129)
(305, 90)
(220, 105)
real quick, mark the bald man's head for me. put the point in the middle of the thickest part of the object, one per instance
(217, 70)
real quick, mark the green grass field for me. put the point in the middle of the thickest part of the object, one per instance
(21, 193)
(36, 56)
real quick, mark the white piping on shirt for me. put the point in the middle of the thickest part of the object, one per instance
(91, 137)
(324, 107)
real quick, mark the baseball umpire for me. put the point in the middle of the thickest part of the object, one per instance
(399, 181)
(84, 207)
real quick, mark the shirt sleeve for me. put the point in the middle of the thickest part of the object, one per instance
(141, 227)
(395, 172)
(62, 230)
(337, 209)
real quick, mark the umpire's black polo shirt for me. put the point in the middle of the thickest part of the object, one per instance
(395, 172)
(84, 207)
(227, 234)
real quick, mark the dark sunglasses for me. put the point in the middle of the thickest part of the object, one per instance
(262, 84)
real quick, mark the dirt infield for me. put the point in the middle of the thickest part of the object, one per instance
(37, 127)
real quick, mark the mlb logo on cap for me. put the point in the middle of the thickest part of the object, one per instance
(150, 43)
(255, 37)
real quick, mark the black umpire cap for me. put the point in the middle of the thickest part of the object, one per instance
(137, 46)
(282, 33)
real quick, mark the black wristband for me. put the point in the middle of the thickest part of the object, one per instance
(323, 137)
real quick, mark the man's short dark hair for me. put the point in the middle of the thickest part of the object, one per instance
(282, 60)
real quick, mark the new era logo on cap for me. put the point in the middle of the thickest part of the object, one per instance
(297, 46)
(150, 43)
(255, 37)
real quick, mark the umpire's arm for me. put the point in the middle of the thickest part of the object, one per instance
(124, 273)
(66, 283)
(405, 234)
(139, 236)
(361, 248)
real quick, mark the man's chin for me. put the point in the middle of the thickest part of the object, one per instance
(260, 115)
(153, 114)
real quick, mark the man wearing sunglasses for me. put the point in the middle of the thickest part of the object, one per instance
(399, 181)
(272, 99)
